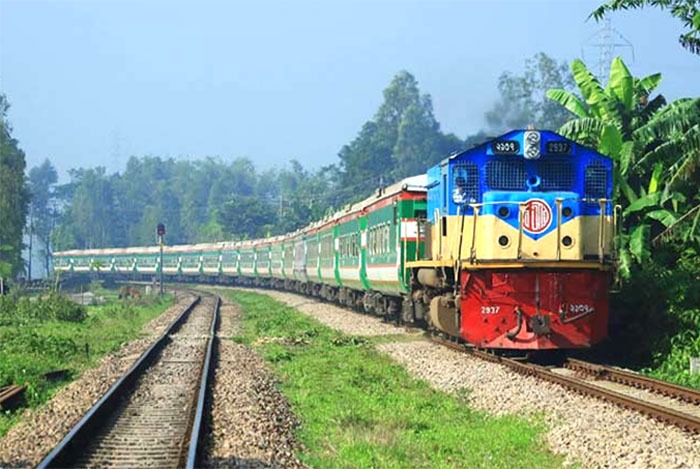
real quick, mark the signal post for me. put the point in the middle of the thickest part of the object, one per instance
(160, 232)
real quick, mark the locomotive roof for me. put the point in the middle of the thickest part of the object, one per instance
(545, 137)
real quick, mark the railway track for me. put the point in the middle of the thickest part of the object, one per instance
(663, 401)
(153, 415)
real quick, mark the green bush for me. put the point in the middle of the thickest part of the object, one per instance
(23, 310)
(655, 319)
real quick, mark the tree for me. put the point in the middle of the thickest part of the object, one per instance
(246, 217)
(688, 11)
(14, 196)
(419, 142)
(656, 148)
(523, 99)
(364, 162)
(42, 180)
(90, 216)
(403, 139)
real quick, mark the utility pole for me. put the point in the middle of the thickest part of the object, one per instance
(607, 40)
(160, 231)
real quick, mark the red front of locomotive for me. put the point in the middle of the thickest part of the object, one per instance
(533, 309)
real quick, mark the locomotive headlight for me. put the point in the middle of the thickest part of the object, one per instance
(532, 140)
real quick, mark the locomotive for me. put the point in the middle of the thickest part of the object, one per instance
(506, 245)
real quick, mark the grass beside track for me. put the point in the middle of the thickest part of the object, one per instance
(360, 409)
(30, 348)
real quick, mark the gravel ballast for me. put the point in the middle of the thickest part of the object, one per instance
(587, 431)
(252, 425)
(334, 317)
(41, 429)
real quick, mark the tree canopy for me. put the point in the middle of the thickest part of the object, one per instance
(403, 139)
(523, 99)
(14, 197)
(687, 11)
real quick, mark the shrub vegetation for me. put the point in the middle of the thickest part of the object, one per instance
(52, 333)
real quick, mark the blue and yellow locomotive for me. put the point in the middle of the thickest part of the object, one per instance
(520, 247)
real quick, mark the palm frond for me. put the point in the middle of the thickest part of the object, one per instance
(621, 83)
(610, 142)
(585, 131)
(672, 229)
(655, 178)
(614, 111)
(651, 108)
(626, 158)
(639, 243)
(680, 152)
(646, 201)
(688, 161)
(677, 117)
(649, 83)
(569, 100)
(620, 183)
(690, 42)
(663, 216)
(589, 85)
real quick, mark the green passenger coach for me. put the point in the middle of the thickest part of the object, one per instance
(356, 256)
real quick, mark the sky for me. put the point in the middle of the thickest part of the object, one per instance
(93, 82)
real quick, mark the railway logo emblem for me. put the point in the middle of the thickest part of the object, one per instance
(537, 216)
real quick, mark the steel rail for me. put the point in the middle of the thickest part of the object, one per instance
(636, 380)
(196, 437)
(11, 393)
(685, 421)
(76, 439)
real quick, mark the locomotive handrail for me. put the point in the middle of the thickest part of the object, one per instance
(438, 220)
(601, 231)
(617, 209)
(472, 250)
(458, 259)
(558, 202)
(521, 217)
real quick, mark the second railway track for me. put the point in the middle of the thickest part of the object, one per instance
(152, 416)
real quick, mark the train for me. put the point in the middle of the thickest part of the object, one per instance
(509, 245)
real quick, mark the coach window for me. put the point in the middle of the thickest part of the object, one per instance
(375, 240)
(387, 239)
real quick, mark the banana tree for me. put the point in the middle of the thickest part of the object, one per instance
(607, 117)
(654, 145)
